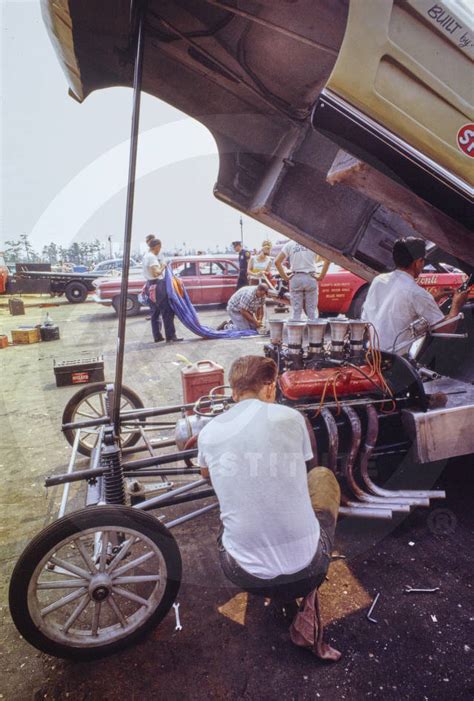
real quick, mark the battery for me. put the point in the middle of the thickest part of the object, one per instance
(79, 371)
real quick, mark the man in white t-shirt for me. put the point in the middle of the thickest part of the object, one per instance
(395, 300)
(154, 266)
(303, 278)
(278, 520)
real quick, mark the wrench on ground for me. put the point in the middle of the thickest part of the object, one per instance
(178, 625)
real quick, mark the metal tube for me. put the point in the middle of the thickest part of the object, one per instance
(169, 472)
(333, 438)
(193, 514)
(184, 498)
(141, 6)
(156, 501)
(160, 459)
(366, 452)
(70, 467)
(396, 501)
(364, 512)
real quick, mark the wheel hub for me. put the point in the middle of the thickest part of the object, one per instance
(100, 587)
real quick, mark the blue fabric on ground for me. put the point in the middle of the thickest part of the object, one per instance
(184, 310)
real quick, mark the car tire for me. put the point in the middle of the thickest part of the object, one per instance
(74, 640)
(355, 310)
(76, 292)
(82, 399)
(133, 305)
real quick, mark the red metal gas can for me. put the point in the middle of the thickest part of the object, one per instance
(199, 378)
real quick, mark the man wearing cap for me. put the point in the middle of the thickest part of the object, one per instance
(244, 305)
(244, 256)
(154, 266)
(395, 300)
(303, 278)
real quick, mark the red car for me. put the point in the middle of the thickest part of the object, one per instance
(213, 279)
(207, 279)
(342, 292)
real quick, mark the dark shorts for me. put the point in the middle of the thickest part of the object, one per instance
(284, 587)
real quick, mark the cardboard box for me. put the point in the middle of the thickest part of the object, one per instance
(27, 334)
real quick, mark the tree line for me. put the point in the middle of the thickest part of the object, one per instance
(21, 250)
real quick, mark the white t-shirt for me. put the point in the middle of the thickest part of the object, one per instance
(393, 302)
(149, 260)
(301, 259)
(256, 455)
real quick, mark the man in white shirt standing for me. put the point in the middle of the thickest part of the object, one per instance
(303, 278)
(154, 266)
(278, 520)
(395, 300)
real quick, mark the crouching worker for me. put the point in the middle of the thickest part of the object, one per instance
(245, 305)
(278, 520)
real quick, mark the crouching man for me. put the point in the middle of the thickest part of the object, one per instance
(278, 520)
(245, 304)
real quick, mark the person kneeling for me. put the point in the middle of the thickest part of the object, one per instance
(278, 521)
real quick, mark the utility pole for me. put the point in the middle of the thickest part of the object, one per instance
(109, 239)
(241, 231)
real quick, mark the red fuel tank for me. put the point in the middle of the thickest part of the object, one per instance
(310, 384)
(199, 378)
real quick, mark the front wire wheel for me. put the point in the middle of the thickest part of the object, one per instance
(89, 404)
(94, 582)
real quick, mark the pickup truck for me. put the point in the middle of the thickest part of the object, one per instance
(76, 286)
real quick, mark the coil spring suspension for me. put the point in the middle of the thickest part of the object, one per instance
(113, 477)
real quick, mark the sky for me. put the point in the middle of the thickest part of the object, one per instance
(64, 164)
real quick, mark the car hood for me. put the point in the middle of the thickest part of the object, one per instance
(226, 65)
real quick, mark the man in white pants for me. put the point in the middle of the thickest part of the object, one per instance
(303, 278)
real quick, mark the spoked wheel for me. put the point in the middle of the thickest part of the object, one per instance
(89, 403)
(94, 582)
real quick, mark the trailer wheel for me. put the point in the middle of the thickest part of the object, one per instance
(355, 310)
(76, 292)
(89, 403)
(131, 302)
(94, 582)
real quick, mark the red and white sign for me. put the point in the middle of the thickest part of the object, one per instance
(80, 377)
(466, 139)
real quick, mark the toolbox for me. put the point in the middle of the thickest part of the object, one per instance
(79, 371)
(199, 378)
(26, 334)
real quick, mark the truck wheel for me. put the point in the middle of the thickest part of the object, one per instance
(355, 310)
(89, 403)
(76, 292)
(94, 582)
(132, 303)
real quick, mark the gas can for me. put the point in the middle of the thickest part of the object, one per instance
(16, 306)
(199, 378)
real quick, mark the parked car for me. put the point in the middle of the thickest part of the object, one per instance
(114, 265)
(3, 274)
(213, 279)
(342, 292)
(207, 279)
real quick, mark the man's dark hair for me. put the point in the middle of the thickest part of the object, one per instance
(149, 237)
(262, 287)
(251, 372)
(408, 249)
(236, 243)
(153, 243)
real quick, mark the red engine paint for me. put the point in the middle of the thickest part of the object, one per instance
(309, 384)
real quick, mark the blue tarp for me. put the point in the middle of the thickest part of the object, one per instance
(184, 310)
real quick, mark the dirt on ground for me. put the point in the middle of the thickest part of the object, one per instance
(232, 645)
